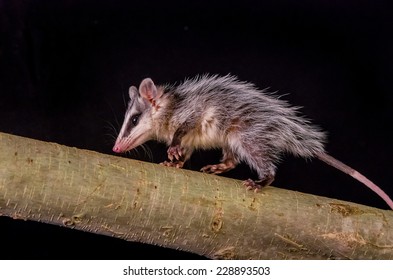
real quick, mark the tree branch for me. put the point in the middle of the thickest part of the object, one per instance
(205, 214)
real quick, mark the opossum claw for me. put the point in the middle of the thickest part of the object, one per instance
(175, 152)
(257, 185)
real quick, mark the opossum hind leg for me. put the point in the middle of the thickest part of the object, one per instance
(227, 163)
(259, 160)
(258, 184)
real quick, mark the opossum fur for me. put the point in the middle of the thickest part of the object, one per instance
(212, 111)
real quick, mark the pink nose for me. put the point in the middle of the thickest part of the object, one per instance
(116, 149)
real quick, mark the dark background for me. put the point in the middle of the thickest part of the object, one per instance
(65, 69)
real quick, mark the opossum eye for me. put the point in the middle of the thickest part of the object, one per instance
(135, 119)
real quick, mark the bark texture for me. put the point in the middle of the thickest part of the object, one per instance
(205, 214)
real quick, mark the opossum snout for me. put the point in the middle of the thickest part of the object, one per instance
(124, 144)
(117, 149)
(120, 146)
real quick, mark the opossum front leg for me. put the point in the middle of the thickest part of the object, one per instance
(178, 154)
(227, 163)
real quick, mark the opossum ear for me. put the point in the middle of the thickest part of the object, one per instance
(133, 92)
(148, 91)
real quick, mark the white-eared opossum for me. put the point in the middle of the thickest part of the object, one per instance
(214, 111)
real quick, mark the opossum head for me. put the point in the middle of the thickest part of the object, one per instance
(138, 120)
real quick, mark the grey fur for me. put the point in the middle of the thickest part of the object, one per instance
(256, 126)
(271, 122)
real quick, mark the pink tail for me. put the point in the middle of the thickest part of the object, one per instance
(355, 174)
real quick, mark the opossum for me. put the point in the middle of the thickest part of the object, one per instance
(212, 111)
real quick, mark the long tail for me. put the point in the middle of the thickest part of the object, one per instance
(355, 174)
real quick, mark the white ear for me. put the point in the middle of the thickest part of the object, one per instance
(133, 92)
(148, 91)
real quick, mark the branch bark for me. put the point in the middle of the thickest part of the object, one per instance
(205, 214)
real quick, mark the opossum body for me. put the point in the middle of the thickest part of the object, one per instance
(248, 124)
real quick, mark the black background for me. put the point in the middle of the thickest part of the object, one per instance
(65, 69)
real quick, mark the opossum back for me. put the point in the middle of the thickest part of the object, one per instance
(257, 114)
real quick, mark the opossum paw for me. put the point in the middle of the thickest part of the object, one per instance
(177, 164)
(257, 185)
(217, 168)
(252, 185)
(175, 152)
